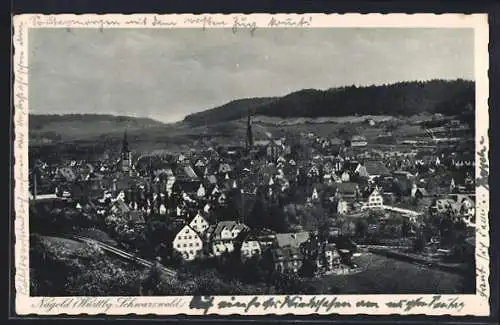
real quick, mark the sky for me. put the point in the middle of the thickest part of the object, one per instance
(167, 74)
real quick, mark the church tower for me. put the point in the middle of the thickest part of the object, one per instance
(249, 140)
(126, 156)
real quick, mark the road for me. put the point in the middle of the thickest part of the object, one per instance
(124, 255)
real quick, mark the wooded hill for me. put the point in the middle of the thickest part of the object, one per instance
(399, 99)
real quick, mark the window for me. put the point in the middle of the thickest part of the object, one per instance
(178, 245)
(184, 245)
(190, 244)
(197, 244)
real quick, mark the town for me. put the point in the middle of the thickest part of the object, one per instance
(300, 206)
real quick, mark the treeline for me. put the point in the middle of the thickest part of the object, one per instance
(38, 121)
(399, 99)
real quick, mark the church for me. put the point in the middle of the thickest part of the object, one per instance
(126, 157)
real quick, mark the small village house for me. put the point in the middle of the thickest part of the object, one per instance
(222, 236)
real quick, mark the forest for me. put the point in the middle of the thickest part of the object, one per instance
(399, 99)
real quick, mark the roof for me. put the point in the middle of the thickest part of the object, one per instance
(286, 253)
(230, 225)
(136, 216)
(375, 167)
(212, 179)
(347, 188)
(423, 191)
(121, 206)
(358, 138)
(291, 239)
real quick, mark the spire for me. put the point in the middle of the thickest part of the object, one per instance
(125, 143)
(249, 142)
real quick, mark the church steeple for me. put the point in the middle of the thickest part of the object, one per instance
(249, 140)
(125, 143)
(126, 156)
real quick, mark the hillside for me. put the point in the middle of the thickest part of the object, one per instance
(400, 99)
(51, 128)
(231, 111)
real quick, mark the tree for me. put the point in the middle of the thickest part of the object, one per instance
(361, 228)
(252, 270)
(287, 282)
(308, 268)
(419, 242)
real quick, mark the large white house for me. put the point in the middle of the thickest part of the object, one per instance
(188, 243)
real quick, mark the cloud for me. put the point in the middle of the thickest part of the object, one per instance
(168, 73)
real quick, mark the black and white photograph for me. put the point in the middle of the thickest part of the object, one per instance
(251, 161)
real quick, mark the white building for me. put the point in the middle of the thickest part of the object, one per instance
(375, 200)
(201, 191)
(163, 209)
(188, 243)
(342, 207)
(315, 195)
(250, 248)
(345, 177)
(223, 235)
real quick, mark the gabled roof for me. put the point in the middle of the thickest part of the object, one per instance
(230, 225)
(347, 188)
(375, 167)
(291, 239)
(286, 253)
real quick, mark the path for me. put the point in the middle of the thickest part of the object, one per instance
(125, 255)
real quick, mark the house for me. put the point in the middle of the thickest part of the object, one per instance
(225, 168)
(358, 141)
(444, 205)
(201, 191)
(136, 217)
(120, 208)
(375, 200)
(291, 239)
(347, 190)
(286, 259)
(222, 236)
(199, 223)
(372, 169)
(188, 243)
(370, 122)
(465, 204)
(345, 177)
(324, 256)
(248, 244)
(342, 207)
(66, 174)
(418, 192)
(315, 195)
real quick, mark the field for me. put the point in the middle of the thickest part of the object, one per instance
(385, 275)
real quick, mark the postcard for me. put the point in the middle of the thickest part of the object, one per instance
(251, 164)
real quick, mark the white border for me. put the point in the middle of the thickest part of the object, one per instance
(472, 304)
